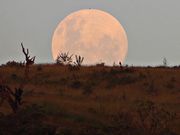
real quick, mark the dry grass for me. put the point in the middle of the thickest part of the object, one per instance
(82, 101)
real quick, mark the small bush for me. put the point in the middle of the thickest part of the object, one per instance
(79, 60)
(64, 59)
(165, 63)
(14, 64)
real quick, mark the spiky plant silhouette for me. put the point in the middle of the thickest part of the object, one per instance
(64, 59)
(79, 60)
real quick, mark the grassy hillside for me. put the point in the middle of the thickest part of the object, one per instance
(94, 100)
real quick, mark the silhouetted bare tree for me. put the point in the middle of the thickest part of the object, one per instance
(28, 60)
(14, 97)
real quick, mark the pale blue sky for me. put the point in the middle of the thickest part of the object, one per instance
(152, 27)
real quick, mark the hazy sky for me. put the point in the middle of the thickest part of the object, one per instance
(152, 27)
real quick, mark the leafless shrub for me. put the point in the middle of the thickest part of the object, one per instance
(64, 59)
(165, 63)
(79, 60)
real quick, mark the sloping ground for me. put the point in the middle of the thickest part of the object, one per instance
(94, 100)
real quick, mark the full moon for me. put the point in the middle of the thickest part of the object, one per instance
(93, 34)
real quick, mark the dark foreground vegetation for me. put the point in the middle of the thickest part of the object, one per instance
(97, 100)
